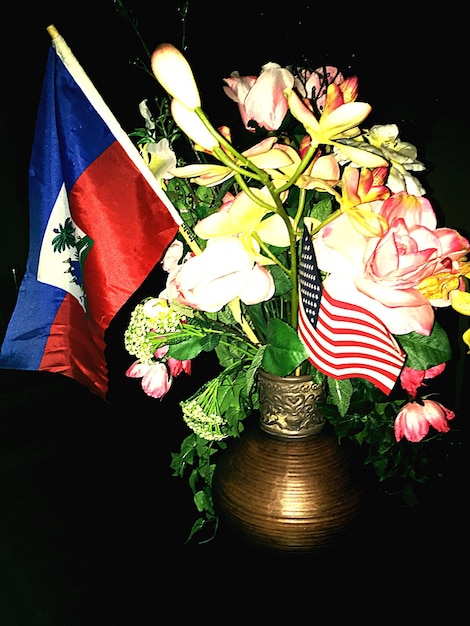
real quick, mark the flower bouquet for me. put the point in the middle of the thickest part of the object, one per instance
(312, 250)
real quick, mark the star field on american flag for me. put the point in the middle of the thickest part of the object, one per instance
(310, 283)
(343, 340)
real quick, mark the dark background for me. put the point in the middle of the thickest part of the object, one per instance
(92, 524)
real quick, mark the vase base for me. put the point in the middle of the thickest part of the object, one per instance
(289, 496)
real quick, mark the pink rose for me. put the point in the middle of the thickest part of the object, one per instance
(382, 273)
(222, 272)
(415, 418)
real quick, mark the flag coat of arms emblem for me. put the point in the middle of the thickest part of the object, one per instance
(99, 223)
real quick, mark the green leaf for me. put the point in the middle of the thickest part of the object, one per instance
(341, 392)
(284, 349)
(190, 348)
(282, 282)
(425, 352)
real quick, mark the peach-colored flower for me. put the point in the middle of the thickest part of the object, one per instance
(339, 120)
(313, 85)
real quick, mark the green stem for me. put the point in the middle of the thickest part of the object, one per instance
(326, 221)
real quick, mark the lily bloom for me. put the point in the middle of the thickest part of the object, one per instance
(263, 155)
(360, 188)
(415, 418)
(240, 216)
(160, 159)
(261, 99)
(156, 380)
(192, 126)
(322, 173)
(336, 122)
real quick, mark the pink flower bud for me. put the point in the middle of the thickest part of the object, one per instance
(413, 421)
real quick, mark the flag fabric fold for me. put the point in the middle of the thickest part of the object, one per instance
(343, 340)
(99, 224)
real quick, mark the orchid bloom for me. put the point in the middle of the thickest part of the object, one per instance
(175, 75)
(261, 99)
(338, 120)
(263, 155)
(402, 157)
(415, 418)
(222, 272)
(241, 217)
(382, 273)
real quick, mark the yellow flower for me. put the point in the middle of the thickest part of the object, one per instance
(341, 123)
(244, 218)
(460, 301)
(262, 155)
(439, 285)
(321, 174)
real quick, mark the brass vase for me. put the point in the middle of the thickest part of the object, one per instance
(287, 485)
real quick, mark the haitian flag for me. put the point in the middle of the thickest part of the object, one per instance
(99, 223)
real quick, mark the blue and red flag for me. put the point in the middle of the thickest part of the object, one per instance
(99, 223)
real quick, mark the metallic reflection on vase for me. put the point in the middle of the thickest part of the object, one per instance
(286, 485)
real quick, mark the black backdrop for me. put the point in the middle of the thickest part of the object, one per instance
(92, 524)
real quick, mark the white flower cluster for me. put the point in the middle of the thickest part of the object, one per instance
(136, 336)
(154, 315)
(204, 425)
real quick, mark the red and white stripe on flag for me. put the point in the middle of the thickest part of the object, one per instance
(348, 342)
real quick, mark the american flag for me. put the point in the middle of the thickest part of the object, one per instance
(343, 340)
